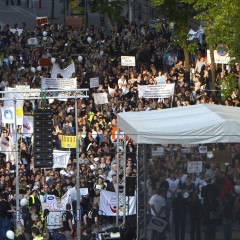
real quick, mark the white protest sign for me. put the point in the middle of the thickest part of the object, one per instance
(19, 31)
(128, 61)
(156, 91)
(202, 149)
(161, 80)
(60, 158)
(157, 151)
(59, 83)
(194, 167)
(217, 58)
(56, 208)
(94, 82)
(32, 41)
(100, 98)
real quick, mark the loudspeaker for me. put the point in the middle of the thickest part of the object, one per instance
(43, 144)
(130, 186)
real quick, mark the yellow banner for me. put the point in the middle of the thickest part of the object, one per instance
(68, 141)
(77, 7)
(19, 112)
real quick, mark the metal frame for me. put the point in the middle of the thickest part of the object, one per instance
(121, 216)
(75, 96)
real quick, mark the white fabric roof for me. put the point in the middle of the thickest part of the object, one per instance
(203, 123)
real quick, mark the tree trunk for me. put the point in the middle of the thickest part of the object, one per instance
(108, 22)
(187, 64)
(213, 68)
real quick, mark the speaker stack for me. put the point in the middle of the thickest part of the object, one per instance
(43, 144)
(130, 186)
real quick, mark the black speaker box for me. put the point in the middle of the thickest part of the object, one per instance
(130, 186)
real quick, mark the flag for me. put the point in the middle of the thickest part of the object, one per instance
(65, 73)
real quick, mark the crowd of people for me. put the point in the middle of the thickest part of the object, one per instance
(101, 53)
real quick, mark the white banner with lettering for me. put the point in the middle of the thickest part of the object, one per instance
(27, 127)
(100, 98)
(59, 83)
(108, 204)
(156, 91)
(60, 158)
(56, 208)
(194, 167)
(127, 61)
(65, 73)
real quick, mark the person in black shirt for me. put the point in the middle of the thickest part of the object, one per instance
(91, 217)
(5, 215)
(67, 222)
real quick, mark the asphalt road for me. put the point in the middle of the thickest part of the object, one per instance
(13, 14)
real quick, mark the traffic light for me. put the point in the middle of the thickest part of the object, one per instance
(43, 144)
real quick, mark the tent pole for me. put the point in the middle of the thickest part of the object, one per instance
(118, 166)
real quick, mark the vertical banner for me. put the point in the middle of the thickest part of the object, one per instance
(8, 114)
(27, 127)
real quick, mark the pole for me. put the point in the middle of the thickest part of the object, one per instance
(118, 166)
(124, 180)
(85, 15)
(78, 177)
(130, 11)
(17, 168)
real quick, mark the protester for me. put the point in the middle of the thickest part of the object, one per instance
(100, 58)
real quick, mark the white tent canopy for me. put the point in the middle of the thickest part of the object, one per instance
(197, 124)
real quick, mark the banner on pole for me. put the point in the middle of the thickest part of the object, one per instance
(27, 127)
(8, 114)
(108, 204)
(56, 208)
(194, 167)
(60, 158)
(100, 98)
(65, 73)
(94, 82)
(128, 61)
(156, 91)
(41, 20)
(59, 83)
(32, 41)
(68, 141)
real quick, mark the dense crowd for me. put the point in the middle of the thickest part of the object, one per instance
(101, 51)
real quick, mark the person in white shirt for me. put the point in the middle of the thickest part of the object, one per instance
(158, 204)
(122, 84)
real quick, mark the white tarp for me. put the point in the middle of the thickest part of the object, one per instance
(197, 124)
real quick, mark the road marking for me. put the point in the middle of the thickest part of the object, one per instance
(20, 10)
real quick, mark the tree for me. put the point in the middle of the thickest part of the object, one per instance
(222, 25)
(111, 10)
(181, 13)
